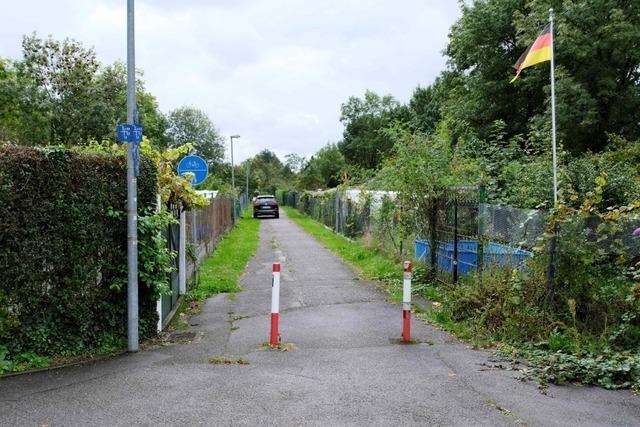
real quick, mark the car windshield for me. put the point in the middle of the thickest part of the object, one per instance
(266, 198)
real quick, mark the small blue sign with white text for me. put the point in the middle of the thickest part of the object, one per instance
(129, 133)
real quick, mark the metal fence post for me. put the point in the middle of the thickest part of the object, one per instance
(551, 272)
(482, 199)
(182, 253)
(433, 216)
(455, 240)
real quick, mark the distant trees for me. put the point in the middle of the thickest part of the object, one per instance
(189, 125)
(364, 143)
(324, 169)
(60, 94)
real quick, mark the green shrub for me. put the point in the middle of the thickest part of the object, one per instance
(63, 263)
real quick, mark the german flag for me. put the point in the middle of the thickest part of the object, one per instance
(539, 51)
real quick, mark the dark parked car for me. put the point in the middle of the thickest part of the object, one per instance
(265, 205)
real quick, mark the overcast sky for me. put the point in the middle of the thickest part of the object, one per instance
(273, 71)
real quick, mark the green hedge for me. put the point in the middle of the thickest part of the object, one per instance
(63, 250)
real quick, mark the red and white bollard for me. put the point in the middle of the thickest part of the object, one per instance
(275, 305)
(406, 303)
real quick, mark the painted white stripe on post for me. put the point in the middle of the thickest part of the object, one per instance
(274, 335)
(159, 311)
(406, 303)
(275, 291)
(406, 288)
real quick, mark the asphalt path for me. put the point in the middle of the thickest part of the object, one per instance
(343, 365)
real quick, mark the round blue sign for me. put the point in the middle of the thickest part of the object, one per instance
(196, 165)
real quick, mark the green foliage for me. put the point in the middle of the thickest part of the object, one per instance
(154, 257)
(597, 74)
(189, 125)
(266, 173)
(60, 94)
(64, 256)
(323, 169)
(365, 143)
(611, 370)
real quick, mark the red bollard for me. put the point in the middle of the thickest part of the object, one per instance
(275, 305)
(406, 303)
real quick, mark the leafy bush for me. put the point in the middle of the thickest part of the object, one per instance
(63, 235)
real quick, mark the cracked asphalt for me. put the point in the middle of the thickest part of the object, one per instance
(344, 367)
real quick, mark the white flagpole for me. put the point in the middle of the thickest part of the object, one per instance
(553, 112)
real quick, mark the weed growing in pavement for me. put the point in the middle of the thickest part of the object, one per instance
(228, 361)
(283, 346)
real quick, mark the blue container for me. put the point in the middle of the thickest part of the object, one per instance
(495, 254)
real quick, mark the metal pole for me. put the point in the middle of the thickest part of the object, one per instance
(132, 198)
(247, 186)
(553, 242)
(454, 263)
(553, 111)
(233, 179)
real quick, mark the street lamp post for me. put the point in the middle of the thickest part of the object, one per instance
(233, 179)
(247, 187)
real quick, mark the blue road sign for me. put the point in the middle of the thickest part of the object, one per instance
(129, 133)
(196, 165)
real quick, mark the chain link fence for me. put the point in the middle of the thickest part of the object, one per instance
(454, 235)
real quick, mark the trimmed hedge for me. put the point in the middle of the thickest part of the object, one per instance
(63, 250)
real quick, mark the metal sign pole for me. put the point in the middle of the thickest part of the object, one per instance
(132, 198)
(553, 112)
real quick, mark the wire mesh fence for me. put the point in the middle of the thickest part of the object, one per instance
(204, 227)
(458, 233)
(342, 212)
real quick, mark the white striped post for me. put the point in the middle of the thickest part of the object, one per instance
(406, 303)
(275, 305)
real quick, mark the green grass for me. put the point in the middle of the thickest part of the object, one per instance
(222, 270)
(371, 262)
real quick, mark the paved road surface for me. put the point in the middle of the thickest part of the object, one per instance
(345, 369)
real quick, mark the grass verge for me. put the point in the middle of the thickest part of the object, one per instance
(222, 270)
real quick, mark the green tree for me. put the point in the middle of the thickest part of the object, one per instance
(189, 125)
(426, 105)
(64, 72)
(365, 143)
(267, 172)
(294, 161)
(329, 163)
(59, 94)
(598, 75)
(24, 116)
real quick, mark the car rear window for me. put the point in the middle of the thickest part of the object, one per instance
(265, 198)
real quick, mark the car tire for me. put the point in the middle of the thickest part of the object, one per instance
(277, 215)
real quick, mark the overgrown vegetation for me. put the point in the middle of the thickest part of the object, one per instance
(63, 258)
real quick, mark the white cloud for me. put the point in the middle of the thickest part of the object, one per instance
(273, 71)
